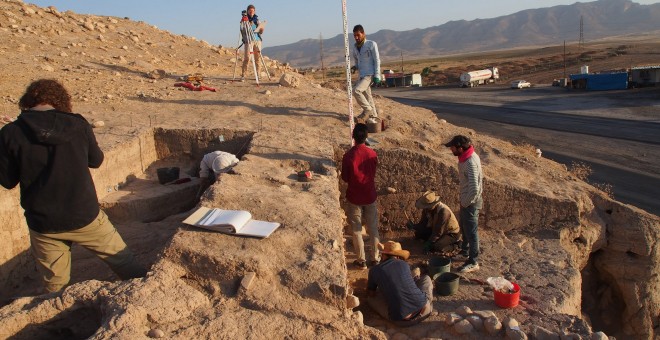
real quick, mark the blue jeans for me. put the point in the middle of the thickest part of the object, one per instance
(469, 220)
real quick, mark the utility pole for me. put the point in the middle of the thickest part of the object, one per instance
(564, 58)
(581, 32)
(402, 62)
(322, 66)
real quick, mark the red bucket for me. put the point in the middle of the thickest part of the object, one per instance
(506, 300)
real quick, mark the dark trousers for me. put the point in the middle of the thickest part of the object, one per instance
(469, 219)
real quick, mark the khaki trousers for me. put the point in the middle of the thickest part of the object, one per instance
(354, 213)
(363, 96)
(255, 49)
(53, 252)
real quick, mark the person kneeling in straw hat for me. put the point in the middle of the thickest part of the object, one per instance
(392, 290)
(438, 226)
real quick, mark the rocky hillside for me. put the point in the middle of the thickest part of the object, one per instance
(534, 27)
(585, 263)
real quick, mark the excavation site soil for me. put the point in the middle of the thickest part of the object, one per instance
(584, 262)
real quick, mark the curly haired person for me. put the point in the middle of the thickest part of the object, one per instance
(48, 151)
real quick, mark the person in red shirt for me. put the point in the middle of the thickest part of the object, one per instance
(359, 171)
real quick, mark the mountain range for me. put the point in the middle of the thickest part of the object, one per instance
(533, 27)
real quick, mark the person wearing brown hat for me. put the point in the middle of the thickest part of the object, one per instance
(437, 226)
(393, 292)
(470, 181)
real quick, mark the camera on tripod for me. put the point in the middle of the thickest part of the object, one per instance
(244, 13)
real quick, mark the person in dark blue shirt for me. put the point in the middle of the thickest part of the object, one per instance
(392, 290)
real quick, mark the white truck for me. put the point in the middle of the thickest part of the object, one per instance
(475, 78)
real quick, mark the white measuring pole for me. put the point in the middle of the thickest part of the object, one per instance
(349, 86)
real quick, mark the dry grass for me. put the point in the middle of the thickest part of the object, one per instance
(580, 170)
(607, 188)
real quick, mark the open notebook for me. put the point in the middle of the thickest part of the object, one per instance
(237, 222)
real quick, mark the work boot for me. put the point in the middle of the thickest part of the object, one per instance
(468, 267)
(364, 114)
(360, 264)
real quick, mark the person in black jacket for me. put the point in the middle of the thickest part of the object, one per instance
(48, 151)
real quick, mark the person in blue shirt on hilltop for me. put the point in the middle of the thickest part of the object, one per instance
(367, 62)
(251, 46)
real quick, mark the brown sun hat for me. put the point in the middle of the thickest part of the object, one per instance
(393, 248)
(428, 200)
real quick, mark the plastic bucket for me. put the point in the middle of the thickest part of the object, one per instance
(166, 175)
(438, 264)
(373, 126)
(446, 284)
(508, 300)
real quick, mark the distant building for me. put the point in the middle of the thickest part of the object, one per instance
(400, 79)
(641, 76)
(600, 81)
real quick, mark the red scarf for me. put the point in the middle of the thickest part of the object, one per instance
(466, 154)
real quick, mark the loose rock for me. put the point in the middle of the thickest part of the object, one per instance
(515, 334)
(599, 336)
(155, 333)
(493, 325)
(352, 301)
(463, 311)
(463, 327)
(541, 333)
(359, 317)
(452, 318)
(289, 80)
(476, 322)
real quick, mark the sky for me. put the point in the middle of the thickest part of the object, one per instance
(289, 21)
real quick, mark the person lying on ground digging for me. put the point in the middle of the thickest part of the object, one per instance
(212, 165)
(393, 292)
(48, 150)
(437, 226)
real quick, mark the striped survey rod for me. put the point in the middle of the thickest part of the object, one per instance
(349, 86)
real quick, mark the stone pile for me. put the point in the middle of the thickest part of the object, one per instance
(464, 321)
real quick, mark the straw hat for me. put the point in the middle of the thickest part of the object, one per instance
(393, 248)
(427, 201)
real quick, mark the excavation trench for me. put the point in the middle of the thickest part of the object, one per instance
(512, 223)
(131, 195)
(140, 197)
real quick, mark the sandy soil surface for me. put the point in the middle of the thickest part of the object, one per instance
(122, 73)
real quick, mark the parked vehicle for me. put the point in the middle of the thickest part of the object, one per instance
(475, 78)
(520, 84)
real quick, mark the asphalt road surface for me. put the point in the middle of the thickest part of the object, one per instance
(616, 133)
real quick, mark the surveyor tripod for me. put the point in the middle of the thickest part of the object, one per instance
(249, 38)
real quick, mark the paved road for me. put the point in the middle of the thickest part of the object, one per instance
(563, 137)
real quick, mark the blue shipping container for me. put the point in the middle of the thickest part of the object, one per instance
(601, 81)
